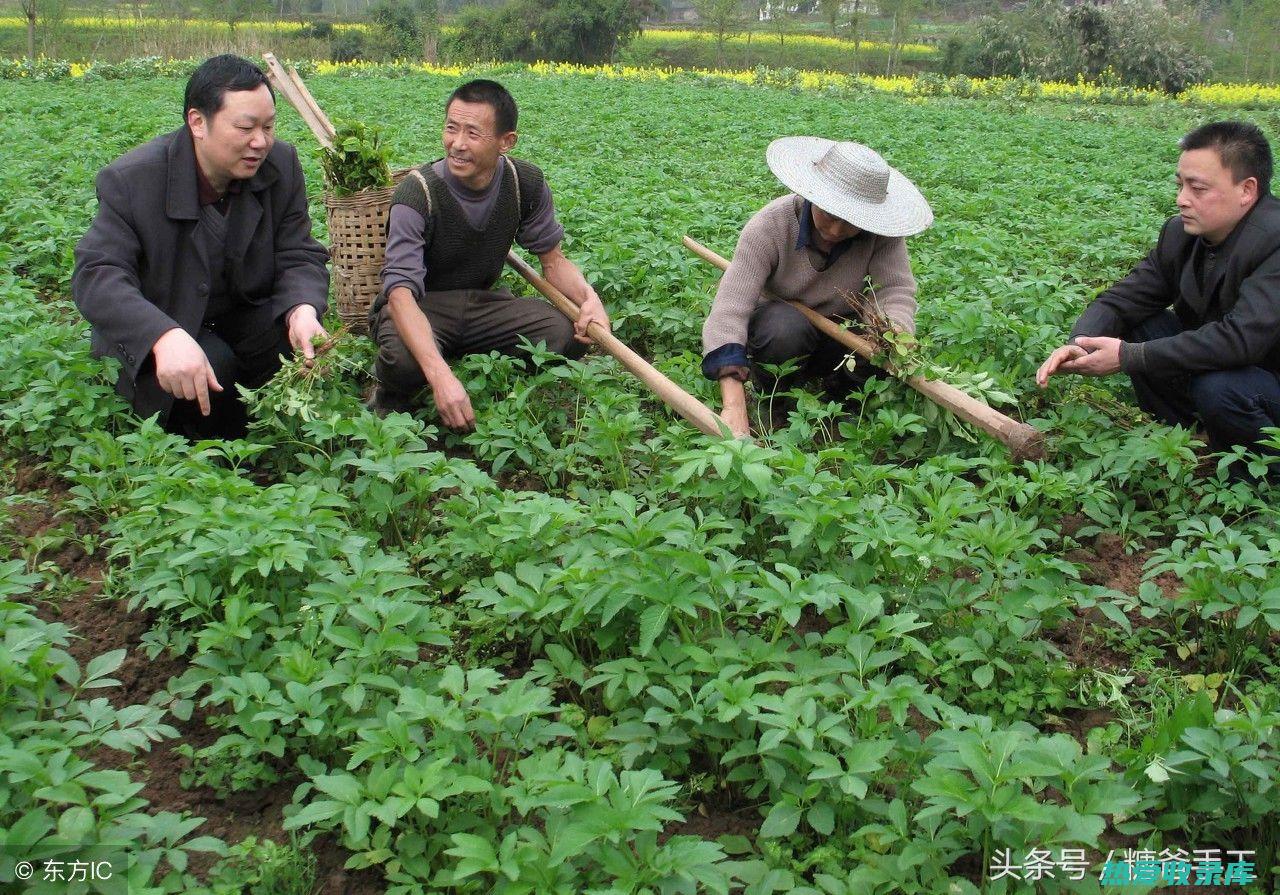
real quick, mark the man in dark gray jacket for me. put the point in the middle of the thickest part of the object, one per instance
(1215, 355)
(199, 270)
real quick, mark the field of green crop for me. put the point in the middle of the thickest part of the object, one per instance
(587, 649)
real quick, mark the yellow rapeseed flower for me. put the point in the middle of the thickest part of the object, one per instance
(657, 35)
(1080, 91)
(1232, 94)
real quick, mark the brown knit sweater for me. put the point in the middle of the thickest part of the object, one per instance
(767, 257)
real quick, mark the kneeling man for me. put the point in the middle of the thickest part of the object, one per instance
(199, 270)
(844, 223)
(1214, 356)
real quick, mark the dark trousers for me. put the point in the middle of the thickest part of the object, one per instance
(1233, 405)
(244, 347)
(469, 321)
(778, 332)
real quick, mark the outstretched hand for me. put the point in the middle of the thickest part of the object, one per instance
(1060, 356)
(183, 370)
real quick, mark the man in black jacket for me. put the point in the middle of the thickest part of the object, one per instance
(1215, 355)
(199, 270)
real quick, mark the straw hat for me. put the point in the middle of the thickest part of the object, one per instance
(852, 182)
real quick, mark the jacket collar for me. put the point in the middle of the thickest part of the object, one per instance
(1240, 242)
(182, 199)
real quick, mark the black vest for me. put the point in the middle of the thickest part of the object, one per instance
(456, 255)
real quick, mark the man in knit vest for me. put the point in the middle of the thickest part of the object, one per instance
(843, 224)
(451, 225)
(199, 271)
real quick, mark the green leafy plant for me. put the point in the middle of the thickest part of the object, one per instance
(358, 160)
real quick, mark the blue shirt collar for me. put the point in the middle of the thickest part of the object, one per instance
(805, 239)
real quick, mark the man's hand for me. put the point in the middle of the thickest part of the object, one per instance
(452, 401)
(303, 327)
(734, 395)
(1087, 356)
(590, 311)
(183, 369)
(1060, 357)
(1102, 359)
(565, 276)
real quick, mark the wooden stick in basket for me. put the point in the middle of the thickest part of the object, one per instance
(292, 89)
(1024, 442)
(683, 403)
(311, 102)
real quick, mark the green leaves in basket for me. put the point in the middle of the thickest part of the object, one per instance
(358, 160)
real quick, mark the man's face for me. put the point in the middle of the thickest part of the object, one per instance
(831, 228)
(232, 144)
(472, 144)
(1210, 202)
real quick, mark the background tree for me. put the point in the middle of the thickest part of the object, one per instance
(1256, 29)
(830, 11)
(855, 32)
(582, 31)
(721, 16)
(780, 17)
(233, 12)
(586, 31)
(1088, 41)
(29, 12)
(1152, 49)
(1142, 44)
(44, 14)
(409, 28)
(901, 14)
(1000, 48)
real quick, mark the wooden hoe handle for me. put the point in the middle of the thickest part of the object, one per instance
(1024, 442)
(683, 403)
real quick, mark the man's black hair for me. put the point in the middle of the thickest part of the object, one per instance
(1242, 147)
(208, 85)
(492, 94)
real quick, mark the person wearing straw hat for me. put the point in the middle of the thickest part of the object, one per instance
(844, 223)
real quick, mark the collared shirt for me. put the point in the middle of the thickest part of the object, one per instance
(805, 239)
(1207, 256)
(208, 195)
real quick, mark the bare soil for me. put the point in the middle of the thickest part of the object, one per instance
(100, 625)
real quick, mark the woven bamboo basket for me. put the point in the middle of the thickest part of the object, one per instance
(357, 245)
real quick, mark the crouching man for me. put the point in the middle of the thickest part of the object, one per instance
(199, 270)
(1196, 325)
(451, 225)
(844, 222)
